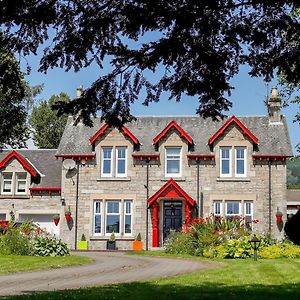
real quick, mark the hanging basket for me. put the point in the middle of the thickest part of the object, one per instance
(56, 220)
(279, 218)
(68, 217)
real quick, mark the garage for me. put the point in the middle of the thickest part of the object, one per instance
(44, 221)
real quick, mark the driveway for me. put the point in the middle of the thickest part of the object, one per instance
(108, 268)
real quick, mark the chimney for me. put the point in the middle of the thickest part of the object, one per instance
(79, 91)
(274, 107)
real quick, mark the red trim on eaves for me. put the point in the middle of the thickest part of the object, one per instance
(268, 157)
(21, 160)
(235, 120)
(76, 156)
(145, 156)
(125, 130)
(48, 189)
(171, 189)
(201, 156)
(172, 124)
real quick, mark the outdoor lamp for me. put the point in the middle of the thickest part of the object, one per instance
(255, 243)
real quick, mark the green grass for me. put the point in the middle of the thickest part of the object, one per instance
(14, 263)
(238, 279)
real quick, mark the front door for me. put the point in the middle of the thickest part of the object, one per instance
(172, 217)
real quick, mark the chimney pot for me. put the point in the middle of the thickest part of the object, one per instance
(79, 91)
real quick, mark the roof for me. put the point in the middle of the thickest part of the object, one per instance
(43, 161)
(273, 137)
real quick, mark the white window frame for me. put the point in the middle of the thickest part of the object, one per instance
(117, 162)
(101, 218)
(11, 184)
(220, 202)
(17, 182)
(245, 161)
(251, 211)
(232, 201)
(127, 214)
(230, 161)
(180, 162)
(111, 162)
(113, 214)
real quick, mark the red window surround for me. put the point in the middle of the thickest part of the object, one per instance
(230, 121)
(21, 160)
(125, 130)
(173, 124)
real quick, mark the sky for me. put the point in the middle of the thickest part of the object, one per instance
(247, 97)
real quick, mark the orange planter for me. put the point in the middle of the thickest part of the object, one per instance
(137, 246)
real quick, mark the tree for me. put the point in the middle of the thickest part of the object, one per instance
(13, 128)
(47, 126)
(198, 44)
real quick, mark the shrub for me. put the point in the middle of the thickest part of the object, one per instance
(13, 242)
(273, 251)
(48, 246)
(180, 243)
(290, 250)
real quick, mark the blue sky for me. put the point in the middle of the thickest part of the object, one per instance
(248, 96)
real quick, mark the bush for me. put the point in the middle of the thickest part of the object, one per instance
(291, 250)
(15, 243)
(48, 246)
(180, 243)
(284, 249)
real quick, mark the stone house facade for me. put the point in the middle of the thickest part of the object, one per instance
(157, 173)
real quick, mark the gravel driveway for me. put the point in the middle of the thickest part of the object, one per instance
(108, 268)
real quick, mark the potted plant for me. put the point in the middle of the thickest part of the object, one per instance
(111, 243)
(137, 244)
(83, 244)
(56, 219)
(278, 216)
(68, 215)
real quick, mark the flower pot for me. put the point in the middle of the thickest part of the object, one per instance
(68, 217)
(82, 245)
(56, 221)
(279, 218)
(137, 246)
(111, 245)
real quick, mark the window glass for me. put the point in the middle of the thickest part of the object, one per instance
(112, 216)
(21, 182)
(127, 217)
(248, 214)
(121, 160)
(217, 207)
(240, 161)
(225, 161)
(97, 217)
(233, 208)
(173, 161)
(106, 161)
(7, 182)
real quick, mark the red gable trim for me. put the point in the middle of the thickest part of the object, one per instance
(21, 160)
(235, 120)
(201, 156)
(268, 157)
(76, 156)
(106, 126)
(172, 190)
(172, 124)
(145, 156)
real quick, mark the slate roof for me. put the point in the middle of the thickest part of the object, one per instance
(273, 138)
(44, 162)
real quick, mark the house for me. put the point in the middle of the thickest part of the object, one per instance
(155, 174)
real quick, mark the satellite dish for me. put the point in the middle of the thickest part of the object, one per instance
(69, 164)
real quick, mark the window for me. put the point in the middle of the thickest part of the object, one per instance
(97, 218)
(21, 180)
(173, 161)
(248, 212)
(232, 209)
(106, 164)
(225, 162)
(127, 217)
(112, 217)
(121, 162)
(217, 208)
(240, 162)
(7, 183)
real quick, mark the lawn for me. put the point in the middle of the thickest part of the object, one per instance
(14, 263)
(238, 279)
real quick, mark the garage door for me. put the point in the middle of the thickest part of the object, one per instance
(43, 221)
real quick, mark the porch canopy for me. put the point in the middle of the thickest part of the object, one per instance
(170, 190)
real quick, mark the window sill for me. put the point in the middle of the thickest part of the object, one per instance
(114, 179)
(106, 238)
(233, 179)
(14, 196)
(179, 179)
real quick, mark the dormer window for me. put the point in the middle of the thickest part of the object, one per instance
(225, 162)
(21, 180)
(173, 162)
(7, 183)
(121, 165)
(106, 165)
(240, 161)
(14, 183)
